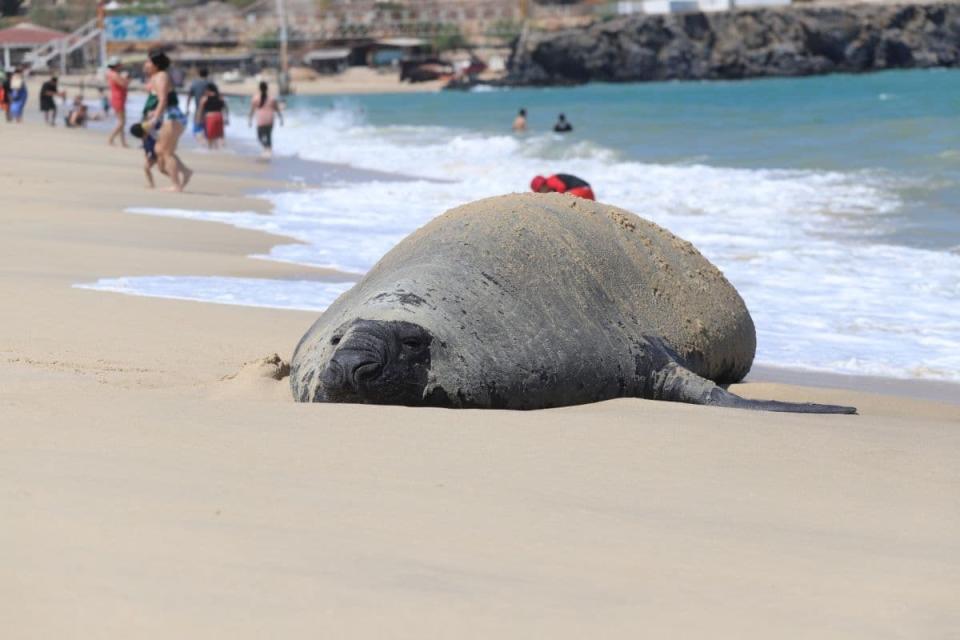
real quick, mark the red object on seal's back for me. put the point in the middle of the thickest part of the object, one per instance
(582, 192)
(564, 183)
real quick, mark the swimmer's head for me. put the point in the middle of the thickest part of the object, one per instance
(539, 185)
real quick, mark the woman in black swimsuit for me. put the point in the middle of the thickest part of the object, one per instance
(163, 116)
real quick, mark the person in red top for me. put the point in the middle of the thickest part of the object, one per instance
(119, 82)
(563, 183)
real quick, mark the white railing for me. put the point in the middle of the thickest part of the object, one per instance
(41, 56)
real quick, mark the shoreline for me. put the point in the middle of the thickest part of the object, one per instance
(161, 482)
(312, 173)
(935, 390)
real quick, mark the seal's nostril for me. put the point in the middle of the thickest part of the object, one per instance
(351, 369)
(366, 372)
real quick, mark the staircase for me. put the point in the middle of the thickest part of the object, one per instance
(41, 56)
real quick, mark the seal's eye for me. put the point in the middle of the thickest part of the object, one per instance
(335, 340)
(413, 343)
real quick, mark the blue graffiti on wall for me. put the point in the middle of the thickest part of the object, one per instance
(132, 28)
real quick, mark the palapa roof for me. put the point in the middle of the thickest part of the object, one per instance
(27, 34)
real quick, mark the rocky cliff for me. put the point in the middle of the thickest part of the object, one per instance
(791, 41)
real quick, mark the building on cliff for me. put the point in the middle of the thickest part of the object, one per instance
(654, 7)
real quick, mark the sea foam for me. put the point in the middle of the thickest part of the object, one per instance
(800, 246)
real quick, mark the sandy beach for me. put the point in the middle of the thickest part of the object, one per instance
(352, 81)
(157, 485)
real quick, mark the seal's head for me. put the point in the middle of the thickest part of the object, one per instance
(377, 362)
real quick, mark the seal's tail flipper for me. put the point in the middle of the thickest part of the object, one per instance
(721, 398)
(679, 384)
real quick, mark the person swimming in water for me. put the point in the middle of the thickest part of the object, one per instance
(520, 122)
(563, 183)
(562, 125)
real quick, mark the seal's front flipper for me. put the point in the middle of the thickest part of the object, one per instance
(679, 384)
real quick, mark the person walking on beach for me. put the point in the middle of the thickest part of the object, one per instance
(198, 88)
(17, 95)
(119, 82)
(563, 183)
(164, 119)
(49, 92)
(562, 125)
(5, 94)
(215, 113)
(149, 151)
(520, 122)
(264, 108)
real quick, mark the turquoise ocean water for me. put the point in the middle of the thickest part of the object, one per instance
(832, 203)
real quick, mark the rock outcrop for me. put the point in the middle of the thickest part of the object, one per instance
(791, 41)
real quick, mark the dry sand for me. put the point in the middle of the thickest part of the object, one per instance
(142, 495)
(354, 80)
(357, 80)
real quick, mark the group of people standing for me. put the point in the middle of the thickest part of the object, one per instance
(162, 122)
(13, 100)
(211, 112)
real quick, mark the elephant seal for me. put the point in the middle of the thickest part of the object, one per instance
(533, 301)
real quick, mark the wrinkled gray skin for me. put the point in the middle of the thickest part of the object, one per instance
(533, 301)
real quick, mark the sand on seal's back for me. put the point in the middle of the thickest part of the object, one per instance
(598, 264)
